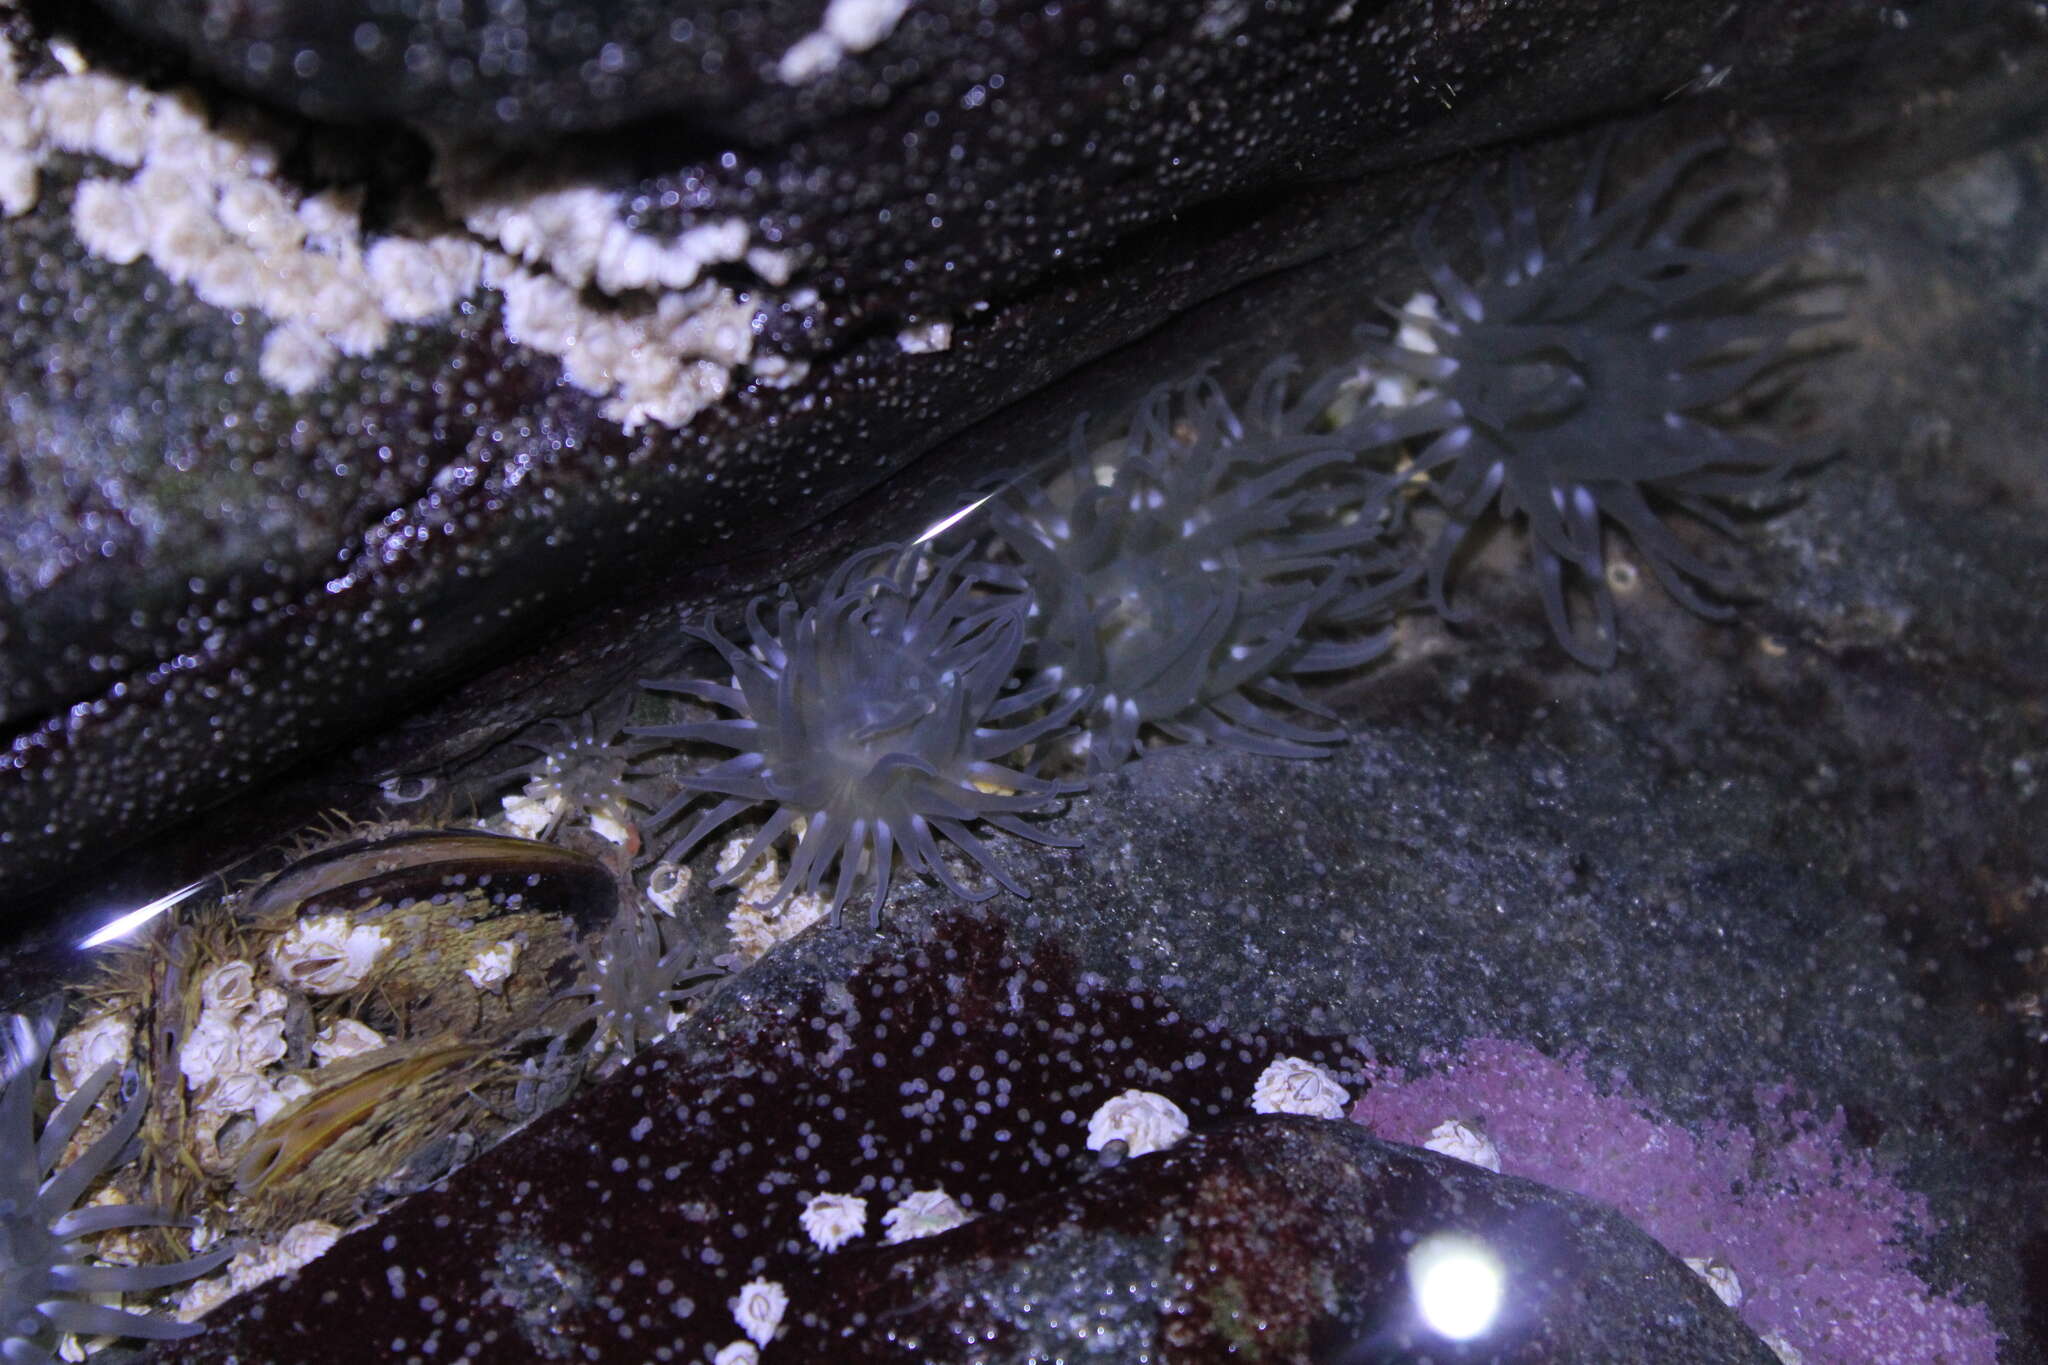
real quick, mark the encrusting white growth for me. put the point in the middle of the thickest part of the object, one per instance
(1720, 1277)
(1294, 1085)
(924, 1213)
(759, 1308)
(1143, 1121)
(756, 921)
(1465, 1141)
(207, 207)
(848, 26)
(833, 1220)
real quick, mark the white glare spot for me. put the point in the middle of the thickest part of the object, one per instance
(945, 524)
(1458, 1283)
(135, 919)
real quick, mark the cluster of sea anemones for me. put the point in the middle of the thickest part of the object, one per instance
(1174, 584)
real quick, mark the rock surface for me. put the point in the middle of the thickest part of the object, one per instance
(259, 503)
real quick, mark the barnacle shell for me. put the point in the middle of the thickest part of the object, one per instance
(1294, 1085)
(1720, 1277)
(229, 987)
(1465, 1140)
(345, 1038)
(492, 967)
(833, 1220)
(107, 1037)
(1143, 1121)
(922, 1213)
(327, 954)
(758, 1309)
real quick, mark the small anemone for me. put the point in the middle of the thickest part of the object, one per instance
(1179, 580)
(46, 1276)
(1580, 379)
(875, 723)
(643, 967)
(576, 774)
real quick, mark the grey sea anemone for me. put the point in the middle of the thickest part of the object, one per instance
(1179, 578)
(875, 723)
(641, 970)
(1579, 380)
(576, 774)
(46, 1274)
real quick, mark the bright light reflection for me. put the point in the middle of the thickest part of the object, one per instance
(135, 919)
(945, 524)
(1458, 1284)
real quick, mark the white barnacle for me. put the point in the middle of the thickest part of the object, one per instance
(1143, 1121)
(1295, 1085)
(280, 1095)
(737, 1353)
(327, 955)
(1465, 1140)
(210, 1049)
(759, 1308)
(1720, 1277)
(229, 987)
(345, 1038)
(923, 1213)
(259, 1040)
(667, 885)
(833, 1220)
(104, 1038)
(492, 967)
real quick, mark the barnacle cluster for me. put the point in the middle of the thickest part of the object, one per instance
(50, 1283)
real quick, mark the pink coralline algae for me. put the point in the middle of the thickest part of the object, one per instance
(1815, 1233)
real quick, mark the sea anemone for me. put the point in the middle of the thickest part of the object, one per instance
(1176, 580)
(45, 1272)
(642, 969)
(870, 723)
(576, 775)
(1581, 380)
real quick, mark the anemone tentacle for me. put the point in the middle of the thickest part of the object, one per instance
(43, 1247)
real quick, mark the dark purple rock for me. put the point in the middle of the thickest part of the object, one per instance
(620, 1229)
